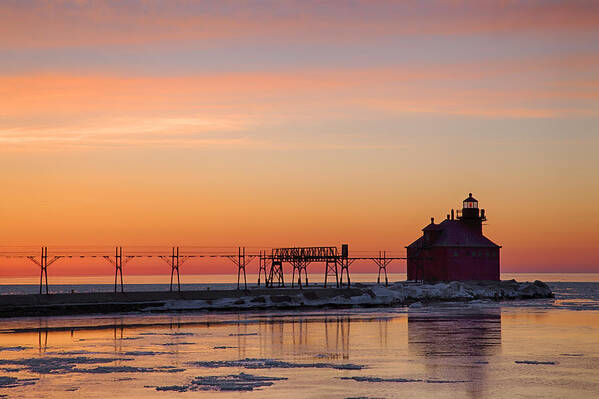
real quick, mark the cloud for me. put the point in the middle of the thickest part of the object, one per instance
(57, 24)
(258, 109)
(199, 132)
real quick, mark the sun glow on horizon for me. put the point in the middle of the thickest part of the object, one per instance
(285, 123)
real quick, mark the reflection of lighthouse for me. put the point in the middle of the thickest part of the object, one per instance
(456, 344)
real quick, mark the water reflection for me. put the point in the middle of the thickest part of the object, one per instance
(42, 339)
(451, 351)
(456, 344)
(327, 336)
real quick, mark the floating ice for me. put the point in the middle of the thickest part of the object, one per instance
(233, 382)
(242, 334)
(63, 365)
(168, 334)
(532, 362)
(56, 365)
(379, 379)
(361, 397)
(129, 369)
(13, 382)
(249, 363)
(145, 353)
(13, 348)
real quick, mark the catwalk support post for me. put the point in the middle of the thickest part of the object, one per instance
(43, 264)
(382, 262)
(117, 262)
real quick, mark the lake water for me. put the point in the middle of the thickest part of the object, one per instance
(542, 348)
(65, 284)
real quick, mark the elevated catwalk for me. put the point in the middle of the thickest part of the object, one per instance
(337, 263)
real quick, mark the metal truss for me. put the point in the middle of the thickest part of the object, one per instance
(43, 263)
(118, 263)
(263, 260)
(309, 254)
(299, 265)
(345, 263)
(241, 260)
(331, 266)
(382, 262)
(174, 261)
(276, 273)
(336, 261)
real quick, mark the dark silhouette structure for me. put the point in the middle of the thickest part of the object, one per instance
(337, 263)
(455, 249)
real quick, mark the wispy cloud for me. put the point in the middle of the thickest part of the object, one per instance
(76, 23)
(120, 132)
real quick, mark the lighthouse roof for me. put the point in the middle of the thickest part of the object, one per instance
(470, 198)
(455, 233)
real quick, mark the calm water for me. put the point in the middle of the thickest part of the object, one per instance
(61, 284)
(541, 348)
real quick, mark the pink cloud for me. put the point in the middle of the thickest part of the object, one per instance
(55, 24)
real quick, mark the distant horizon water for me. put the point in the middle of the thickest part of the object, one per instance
(253, 277)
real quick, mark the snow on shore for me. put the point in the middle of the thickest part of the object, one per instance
(397, 294)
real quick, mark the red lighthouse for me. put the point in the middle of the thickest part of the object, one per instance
(455, 249)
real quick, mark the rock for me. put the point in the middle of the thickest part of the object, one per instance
(280, 298)
(310, 295)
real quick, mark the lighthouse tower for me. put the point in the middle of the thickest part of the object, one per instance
(471, 215)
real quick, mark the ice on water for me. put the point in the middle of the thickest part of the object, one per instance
(467, 348)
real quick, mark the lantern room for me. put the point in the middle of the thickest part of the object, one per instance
(470, 211)
(470, 202)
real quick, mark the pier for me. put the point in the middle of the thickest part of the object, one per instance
(337, 263)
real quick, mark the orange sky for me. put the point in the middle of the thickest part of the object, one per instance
(181, 123)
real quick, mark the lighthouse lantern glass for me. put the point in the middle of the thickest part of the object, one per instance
(471, 204)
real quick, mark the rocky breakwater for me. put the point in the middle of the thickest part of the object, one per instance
(368, 295)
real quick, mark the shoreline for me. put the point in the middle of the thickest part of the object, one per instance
(359, 295)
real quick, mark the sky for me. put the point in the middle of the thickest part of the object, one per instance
(297, 123)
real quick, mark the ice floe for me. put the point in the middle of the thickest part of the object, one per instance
(13, 348)
(532, 362)
(249, 363)
(13, 382)
(379, 379)
(175, 334)
(129, 369)
(232, 382)
(145, 353)
(55, 365)
(64, 365)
